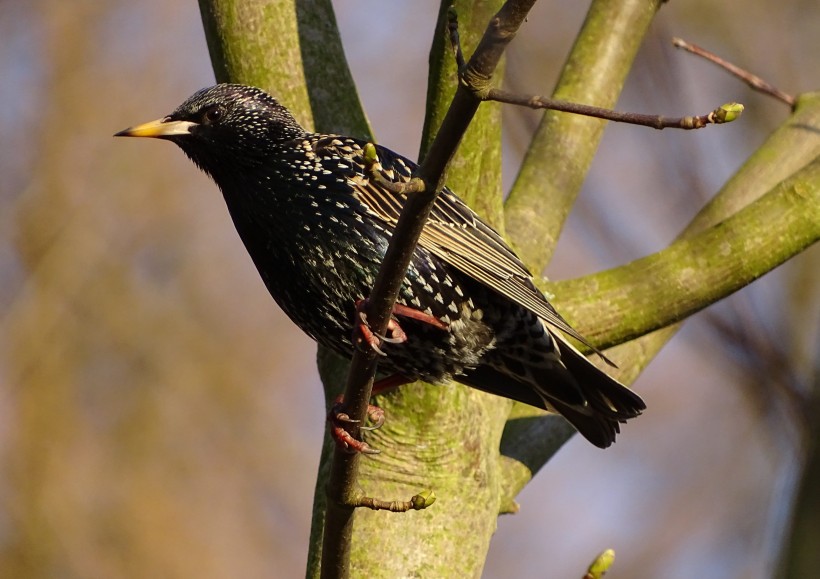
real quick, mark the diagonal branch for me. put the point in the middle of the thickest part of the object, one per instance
(341, 487)
(667, 287)
(695, 272)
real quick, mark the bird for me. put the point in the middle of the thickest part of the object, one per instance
(316, 215)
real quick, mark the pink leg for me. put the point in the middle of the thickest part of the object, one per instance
(406, 312)
(363, 333)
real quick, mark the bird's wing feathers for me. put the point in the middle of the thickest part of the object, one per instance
(453, 233)
(479, 251)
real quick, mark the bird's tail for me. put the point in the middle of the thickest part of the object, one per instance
(608, 402)
(591, 400)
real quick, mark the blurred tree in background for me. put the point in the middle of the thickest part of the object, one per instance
(160, 417)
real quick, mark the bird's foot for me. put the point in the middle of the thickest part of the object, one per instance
(362, 334)
(340, 421)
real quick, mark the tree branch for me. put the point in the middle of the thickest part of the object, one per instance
(664, 288)
(724, 114)
(789, 155)
(754, 81)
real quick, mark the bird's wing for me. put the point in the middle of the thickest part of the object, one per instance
(454, 233)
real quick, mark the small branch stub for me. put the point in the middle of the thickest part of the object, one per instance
(418, 502)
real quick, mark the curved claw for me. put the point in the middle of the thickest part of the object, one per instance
(373, 339)
(372, 345)
(376, 416)
(344, 440)
(367, 335)
(339, 419)
(390, 340)
(342, 417)
(365, 449)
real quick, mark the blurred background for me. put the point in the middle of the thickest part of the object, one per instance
(160, 417)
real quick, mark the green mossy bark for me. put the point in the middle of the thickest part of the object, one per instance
(244, 50)
(666, 287)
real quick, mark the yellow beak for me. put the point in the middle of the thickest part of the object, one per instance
(159, 129)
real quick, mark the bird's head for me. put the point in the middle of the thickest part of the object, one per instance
(226, 125)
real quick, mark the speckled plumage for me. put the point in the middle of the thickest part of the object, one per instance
(317, 227)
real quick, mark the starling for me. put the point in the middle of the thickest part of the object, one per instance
(317, 225)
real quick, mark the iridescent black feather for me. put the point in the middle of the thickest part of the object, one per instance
(317, 227)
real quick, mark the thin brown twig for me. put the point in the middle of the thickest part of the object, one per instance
(723, 114)
(752, 80)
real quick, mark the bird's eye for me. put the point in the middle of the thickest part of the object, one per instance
(211, 115)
